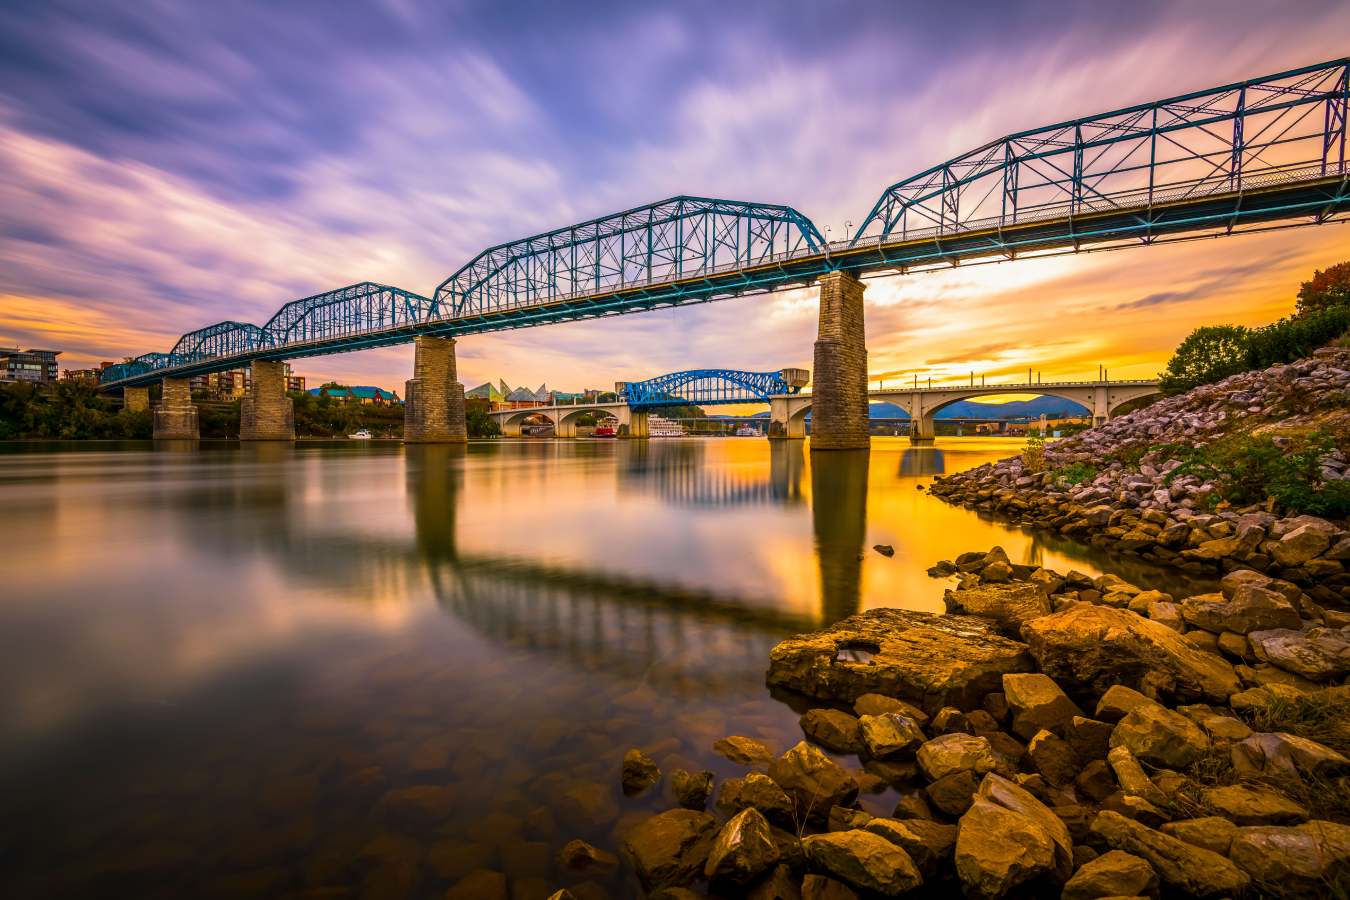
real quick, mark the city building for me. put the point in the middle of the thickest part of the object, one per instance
(80, 374)
(503, 396)
(35, 366)
(233, 384)
(363, 393)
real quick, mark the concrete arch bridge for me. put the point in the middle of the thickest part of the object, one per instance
(1102, 399)
(634, 399)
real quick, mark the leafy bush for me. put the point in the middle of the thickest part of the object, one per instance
(1210, 353)
(1327, 288)
(480, 424)
(1076, 473)
(1295, 337)
(1033, 455)
(1246, 469)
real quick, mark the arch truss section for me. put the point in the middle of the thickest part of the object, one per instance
(351, 316)
(706, 386)
(678, 250)
(1246, 154)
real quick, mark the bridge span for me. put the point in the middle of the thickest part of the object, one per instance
(1268, 152)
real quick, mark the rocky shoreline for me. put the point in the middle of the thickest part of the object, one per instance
(1052, 735)
(1122, 486)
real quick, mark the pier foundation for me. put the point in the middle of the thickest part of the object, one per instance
(433, 410)
(175, 417)
(839, 413)
(267, 414)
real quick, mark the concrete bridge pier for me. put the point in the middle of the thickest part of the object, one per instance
(839, 414)
(267, 414)
(176, 417)
(1101, 405)
(135, 399)
(634, 425)
(433, 410)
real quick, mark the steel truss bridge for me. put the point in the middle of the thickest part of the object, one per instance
(711, 386)
(1265, 153)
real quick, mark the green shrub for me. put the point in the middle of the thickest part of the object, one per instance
(1296, 337)
(1246, 469)
(1076, 473)
(1210, 353)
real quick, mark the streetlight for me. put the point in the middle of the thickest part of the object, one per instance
(848, 224)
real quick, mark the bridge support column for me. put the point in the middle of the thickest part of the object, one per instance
(839, 410)
(1101, 405)
(135, 399)
(433, 411)
(922, 428)
(176, 417)
(634, 425)
(267, 414)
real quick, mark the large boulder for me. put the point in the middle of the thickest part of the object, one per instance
(744, 750)
(1184, 868)
(998, 849)
(956, 752)
(671, 848)
(1160, 737)
(999, 790)
(1286, 755)
(1010, 605)
(1301, 545)
(932, 660)
(928, 843)
(1037, 702)
(889, 734)
(755, 791)
(1251, 608)
(1304, 860)
(833, 729)
(1113, 874)
(639, 772)
(813, 781)
(743, 850)
(865, 860)
(1088, 648)
(1253, 805)
(1318, 654)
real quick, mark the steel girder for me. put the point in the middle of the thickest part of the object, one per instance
(357, 309)
(712, 386)
(1130, 166)
(680, 240)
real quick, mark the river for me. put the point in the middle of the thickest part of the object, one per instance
(364, 670)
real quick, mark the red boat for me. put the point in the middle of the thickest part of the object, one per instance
(605, 431)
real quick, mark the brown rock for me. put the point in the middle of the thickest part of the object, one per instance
(758, 792)
(745, 751)
(864, 860)
(692, 790)
(1037, 702)
(1113, 874)
(743, 850)
(1096, 781)
(927, 843)
(1089, 648)
(953, 793)
(1308, 860)
(1286, 755)
(890, 734)
(639, 772)
(956, 752)
(1010, 605)
(813, 781)
(833, 730)
(1183, 867)
(997, 850)
(670, 848)
(1251, 608)
(1118, 702)
(878, 705)
(579, 856)
(1253, 805)
(928, 659)
(1004, 793)
(1052, 756)
(1161, 737)
(822, 887)
(780, 885)
(1214, 833)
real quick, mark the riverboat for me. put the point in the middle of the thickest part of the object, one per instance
(747, 431)
(661, 427)
(361, 435)
(605, 430)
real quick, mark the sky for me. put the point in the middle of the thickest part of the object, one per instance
(167, 165)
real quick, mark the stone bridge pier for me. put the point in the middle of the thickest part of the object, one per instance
(839, 390)
(267, 414)
(433, 401)
(176, 417)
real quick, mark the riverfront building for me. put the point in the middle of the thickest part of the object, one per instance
(34, 366)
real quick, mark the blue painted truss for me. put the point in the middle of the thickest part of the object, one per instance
(1264, 153)
(710, 386)
(1247, 153)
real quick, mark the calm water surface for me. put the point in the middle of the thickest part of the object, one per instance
(365, 670)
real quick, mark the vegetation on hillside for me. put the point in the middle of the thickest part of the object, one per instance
(1256, 468)
(65, 410)
(1214, 352)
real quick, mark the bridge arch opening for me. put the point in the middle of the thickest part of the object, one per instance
(568, 421)
(521, 422)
